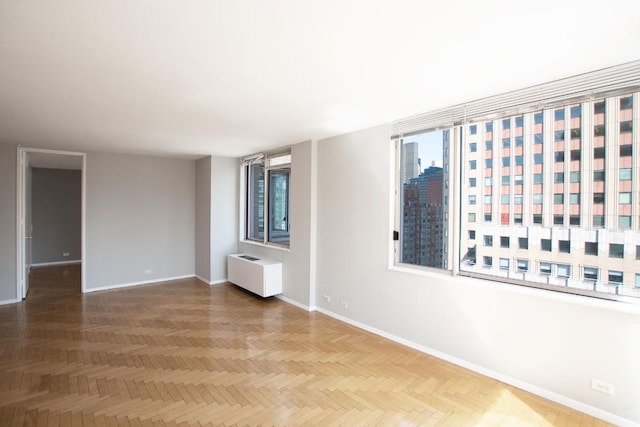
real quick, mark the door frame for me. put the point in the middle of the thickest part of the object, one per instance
(21, 170)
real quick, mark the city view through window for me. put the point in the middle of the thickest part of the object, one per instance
(548, 197)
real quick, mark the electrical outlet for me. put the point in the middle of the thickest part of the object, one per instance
(65, 253)
(147, 272)
(602, 386)
(327, 298)
(344, 303)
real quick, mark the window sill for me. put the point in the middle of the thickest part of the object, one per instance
(603, 304)
(267, 246)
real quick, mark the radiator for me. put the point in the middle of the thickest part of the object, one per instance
(258, 275)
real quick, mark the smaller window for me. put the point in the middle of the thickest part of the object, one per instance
(637, 280)
(537, 218)
(471, 217)
(626, 150)
(488, 145)
(518, 160)
(598, 220)
(574, 219)
(472, 234)
(488, 240)
(472, 164)
(598, 108)
(638, 252)
(537, 118)
(576, 111)
(487, 261)
(537, 178)
(564, 246)
(537, 159)
(472, 199)
(473, 147)
(488, 127)
(625, 174)
(504, 263)
(488, 163)
(591, 248)
(574, 176)
(563, 270)
(506, 123)
(523, 265)
(624, 221)
(506, 142)
(487, 200)
(545, 268)
(576, 133)
(598, 130)
(624, 198)
(504, 241)
(538, 138)
(598, 176)
(517, 218)
(574, 198)
(545, 245)
(616, 250)
(504, 199)
(626, 126)
(518, 141)
(558, 177)
(487, 217)
(626, 103)
(590, 274)
(598, 153)
(518, 180)
(558, 136)
(537, 199)
(558, 114)
(558, 198)
(558, 219)
(575, 155)
(558, 156)
(517, 199)
(473, 129)
(598, 198)
(615, 277)
(472, 182)
(519, 120)
(523, 243)
(506, 162)
(488, 182)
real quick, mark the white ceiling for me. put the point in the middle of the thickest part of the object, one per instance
(231, 77)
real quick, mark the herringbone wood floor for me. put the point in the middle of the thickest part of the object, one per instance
(184, 353)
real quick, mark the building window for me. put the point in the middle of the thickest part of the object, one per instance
(545, 268)
(575, 155)
(576, 133)
(637, 280)
(523, 243)
(537, 219)
(590, 274)
(519, 121)
(574, 198)
(504, 199)
(564, 246)
(267, 197)
(472, 182)
(598, 198)
(538, 138)
(626, 150)
(558, 136)
(599, 107)
(616, 277)
(537, 178)
(625, 174)
(506, 162)
(537, 118)
(518, 141)
(487, 200)
(616, 250)
(473, 147)
(538, 159)
(625, 198)
(506, 142)
(488, 163)
(487, 261)
(472, 234)
(598, 153)
(472, 199)
(471, 217)
(598, 220)
(558, 114)
(624, 221)
(598, 176)
(504, 263)
(574, 176)
(517, 199)
(574, 219)
(506, 124)
(558, 177)
(472, 164)
(638, 252)
(591, 248)
(505, 180)
(626, 103)
(488, 145)
(576, 111)
(504, 241)
(558, 198)
(518, 179)
(488, 240)
(537, 199)
(517, 218)
(522, 265)
(558, 219)
(626, 127)
(473, 129)
(558, 156)
(545, 245)
(563, 270)
(488, 127)
(487, 217)
(488, 182)
(518, 160)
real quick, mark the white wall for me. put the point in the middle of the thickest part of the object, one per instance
(140, 214)
(224, 214)
(551, 341)
(297, 262)
(8, 260)
(203, 219)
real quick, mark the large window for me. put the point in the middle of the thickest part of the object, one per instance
(267, 178)
(439, 210)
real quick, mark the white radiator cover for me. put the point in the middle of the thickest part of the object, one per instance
(258, 275)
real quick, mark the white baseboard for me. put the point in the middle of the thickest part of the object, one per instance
(145, 282)
(9, 301)
(50, 264)
(296, 303)
(202, 279)
(218, 282)
(554, 397)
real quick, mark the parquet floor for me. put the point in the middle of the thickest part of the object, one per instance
(184, 353)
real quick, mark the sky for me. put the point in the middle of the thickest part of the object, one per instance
(429, 148)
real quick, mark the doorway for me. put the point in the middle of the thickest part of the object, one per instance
(28, 159)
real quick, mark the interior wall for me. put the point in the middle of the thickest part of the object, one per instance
(8, 285)
(203, 219)
(56, 215)
(552, 341)
(140, 214)
(224, 214)
(296, 262)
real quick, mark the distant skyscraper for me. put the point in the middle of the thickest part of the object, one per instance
(410, 161)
